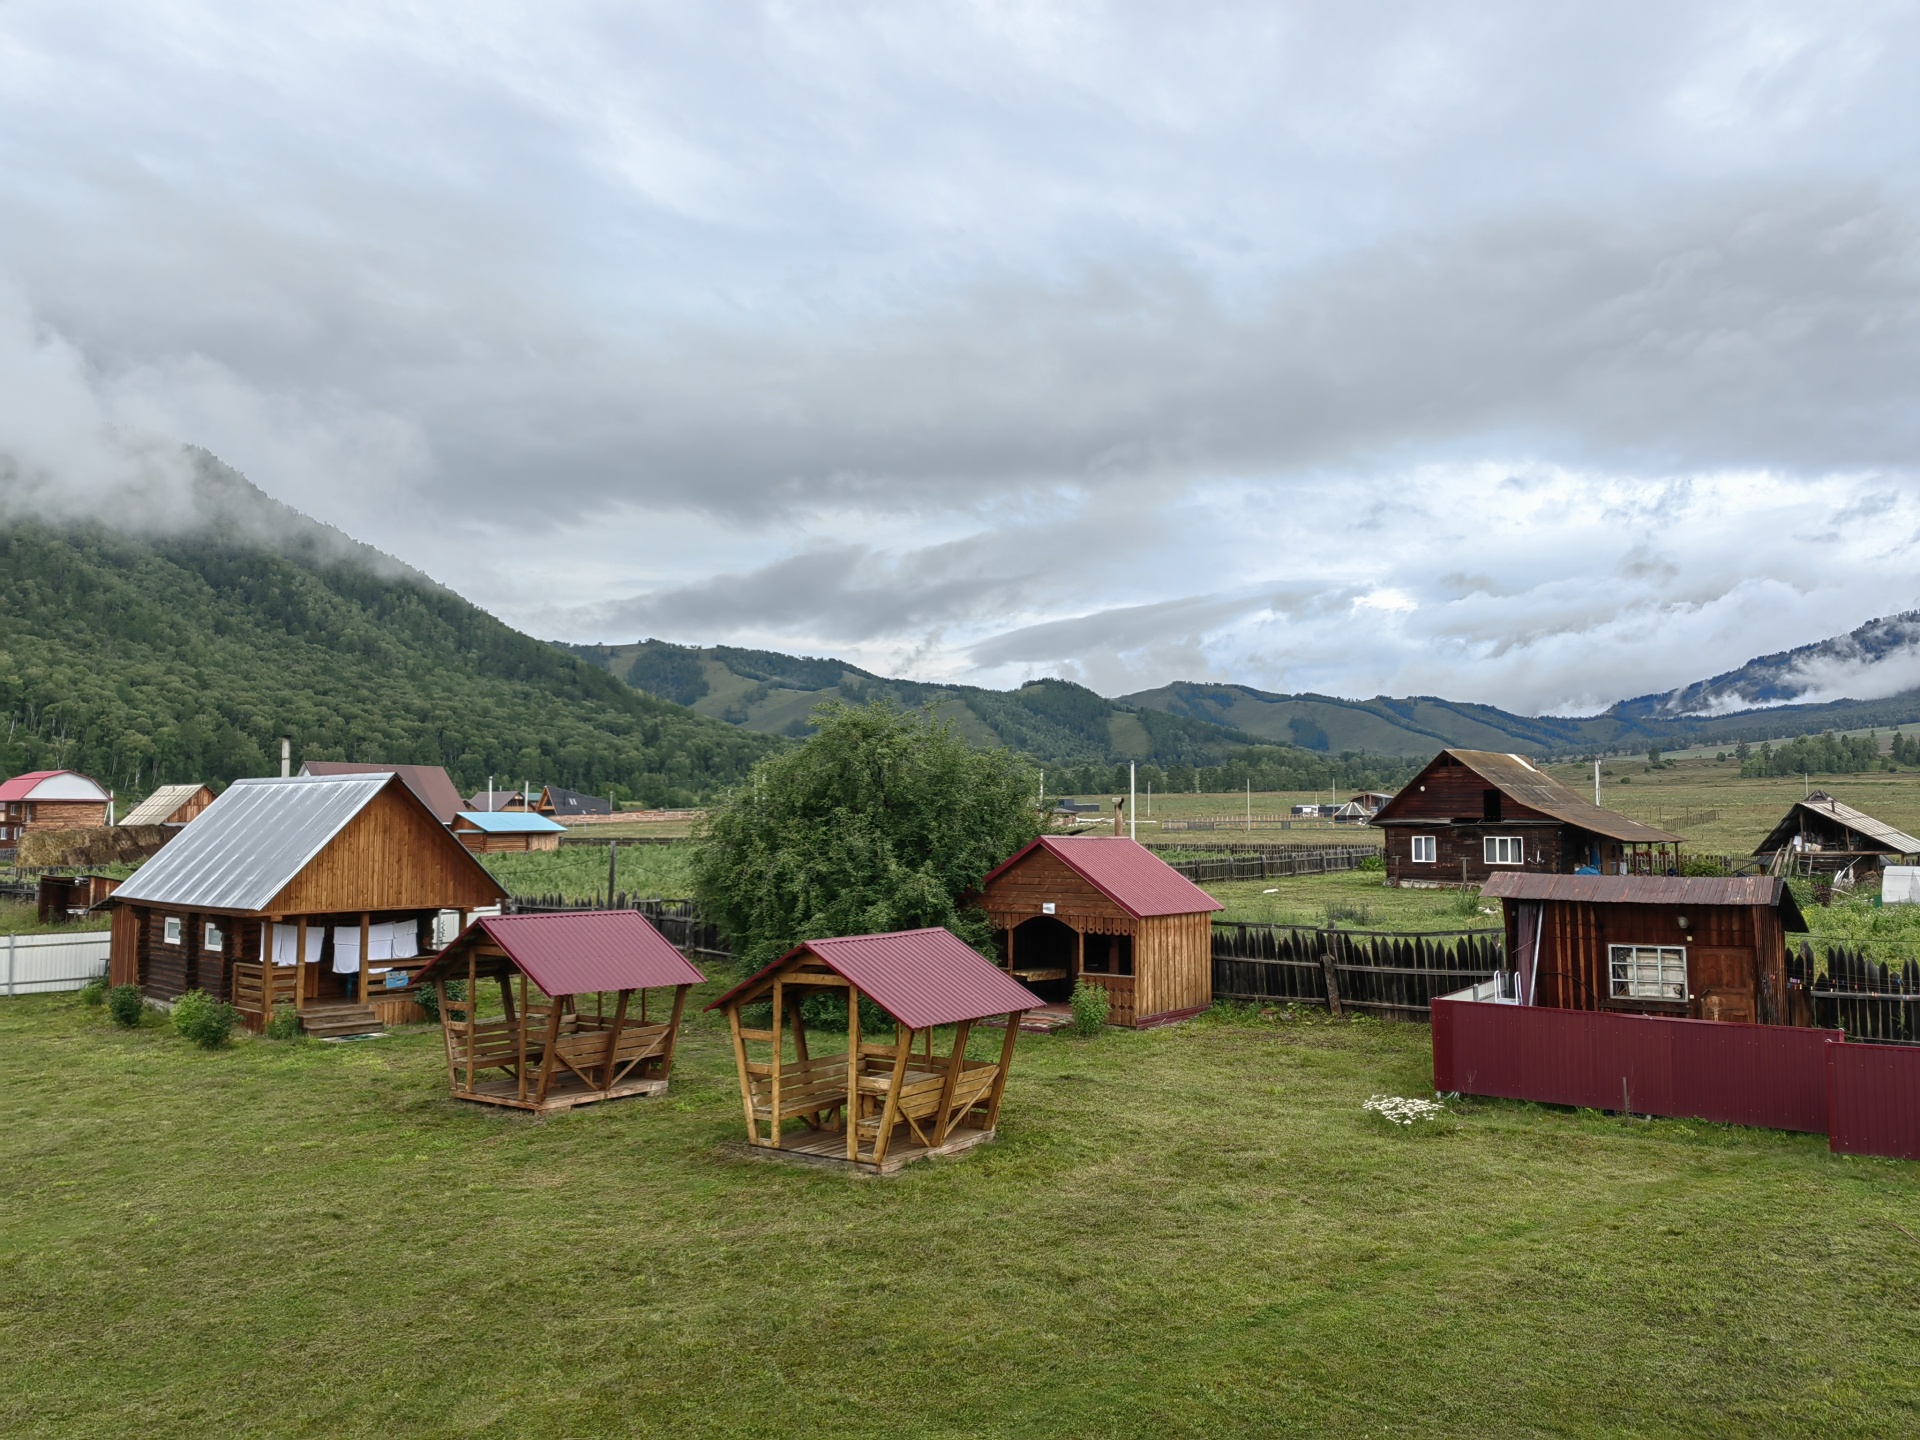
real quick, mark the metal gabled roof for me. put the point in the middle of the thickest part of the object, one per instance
(1123, 870)
(1520, 779)
(1823, 806)
(919, 977)
(1690, 890)
(575, 952)
(244, 848)
(160, 804)
(510, 822)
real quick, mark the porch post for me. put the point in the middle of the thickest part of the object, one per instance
(366, 931)
(300, 964)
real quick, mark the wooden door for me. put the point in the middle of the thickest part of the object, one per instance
(1720, 983)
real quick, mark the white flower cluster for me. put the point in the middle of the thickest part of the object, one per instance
(1402, 1111)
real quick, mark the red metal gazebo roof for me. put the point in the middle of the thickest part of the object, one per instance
(1123, 870)
(576, 952)
(919, 977)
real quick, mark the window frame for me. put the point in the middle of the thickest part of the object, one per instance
(1664, 957)
(172, 927)
(1430, 843)
(1489, 843)
(212, 937)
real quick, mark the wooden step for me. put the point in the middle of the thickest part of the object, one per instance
(328, 1022)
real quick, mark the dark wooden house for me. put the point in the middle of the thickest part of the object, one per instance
(1822, 835)
(170, 805)
(559, 804)
(69, 897)
(874, 1107)
(583, 1031)
(1700, 948)
(316, 893)
(1471, 814)
(1107, 910)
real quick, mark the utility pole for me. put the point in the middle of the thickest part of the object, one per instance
(1596, 782)
(1133, 796)
(1249, 804)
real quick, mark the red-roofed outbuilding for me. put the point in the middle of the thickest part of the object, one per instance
(1107, 910)
(554, 1053)
(874, 1106)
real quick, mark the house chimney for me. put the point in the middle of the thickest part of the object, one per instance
(1119, 815)
(286, 759)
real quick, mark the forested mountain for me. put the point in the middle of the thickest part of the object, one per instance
(188, 656)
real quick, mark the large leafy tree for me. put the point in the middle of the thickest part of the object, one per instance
(882, 820)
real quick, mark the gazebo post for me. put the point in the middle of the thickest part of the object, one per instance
(851, 1119)
(673, 1030)
(613, 1038)
(446, 1034)
(954, 1063)
(779, 1007)
(740, 1060)
(473, 1011)
(889, 1114)
(1006, 1064)
(521, 1030)
(547, 1050)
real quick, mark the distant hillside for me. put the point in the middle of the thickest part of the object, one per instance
(1878, 659)
(188, 656)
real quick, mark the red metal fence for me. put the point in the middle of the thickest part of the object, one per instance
(1866, 1098)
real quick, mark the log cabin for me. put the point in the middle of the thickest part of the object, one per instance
(170, 805)
(1107, 910)
(874, 1107)
(1471, 814)
(583, 1032)
(49, 800)
(1691, 947)
(1822, 835)
(500, 832)
(316, 893)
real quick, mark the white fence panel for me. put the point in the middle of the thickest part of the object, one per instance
(31, 964)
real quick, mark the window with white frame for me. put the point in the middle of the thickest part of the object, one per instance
(1505, 850)
(1647, 972)
(170, 931)
(212, 938)
(1425, 852)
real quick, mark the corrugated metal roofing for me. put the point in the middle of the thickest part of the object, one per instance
(242, 849)
(510, 822)
(1692, 890)
(919, 977)
(1825, 807)
(155, 809)
(577, 952)
(430, 782)
(22, 787)
(1517, 777)
(1125, 871)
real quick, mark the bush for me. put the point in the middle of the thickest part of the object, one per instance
(93, 994)
(428, 999)
(126, 1005)
(285, 1024)
(1089, 1008)
(204, 1020)
(1374, 863)
(1702, 865)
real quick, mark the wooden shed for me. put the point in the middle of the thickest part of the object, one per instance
(1823, 835)
(49, 800)
(70, 897)
(318, 893)
(1105, 909)
(170, 805)
(1702, 948)
(579, 1034)
(500, 832)
(874, 1107)
(1474, 813)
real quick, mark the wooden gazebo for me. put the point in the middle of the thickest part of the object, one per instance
(875, 1107)
(1106, 910)
(571, 1035)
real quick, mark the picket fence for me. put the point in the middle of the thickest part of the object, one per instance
(1369, 970)
(35, 964)
(1268, 864)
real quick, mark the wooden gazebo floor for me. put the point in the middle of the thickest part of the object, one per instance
(829, 1148)
(564, 1093)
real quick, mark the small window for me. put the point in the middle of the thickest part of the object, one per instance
(1424, 850)
(1505, 850)
(212, 939)
(1648, 972)
(170, 931)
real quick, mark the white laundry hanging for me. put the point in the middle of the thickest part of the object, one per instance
(286, 944)
(346, 949)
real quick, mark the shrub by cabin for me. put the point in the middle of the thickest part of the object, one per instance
(1472, 814)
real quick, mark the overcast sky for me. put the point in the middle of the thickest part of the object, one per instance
(1536, 354)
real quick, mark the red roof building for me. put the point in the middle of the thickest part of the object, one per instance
(49, 800)
(430, 782)
(551, 1049)
(1106, 910)
(874, 1107)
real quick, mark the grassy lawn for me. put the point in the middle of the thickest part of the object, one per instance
(1353, 899)
(1190, 1231)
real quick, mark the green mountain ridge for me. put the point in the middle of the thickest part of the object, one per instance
(186, 656)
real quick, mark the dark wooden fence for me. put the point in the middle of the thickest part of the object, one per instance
(678, 920)
(1375, 971)
(1867, 998)
(1266, 865)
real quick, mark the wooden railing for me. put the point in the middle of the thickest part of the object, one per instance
(259, 989)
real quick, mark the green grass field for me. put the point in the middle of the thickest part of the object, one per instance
(1192, 1231)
